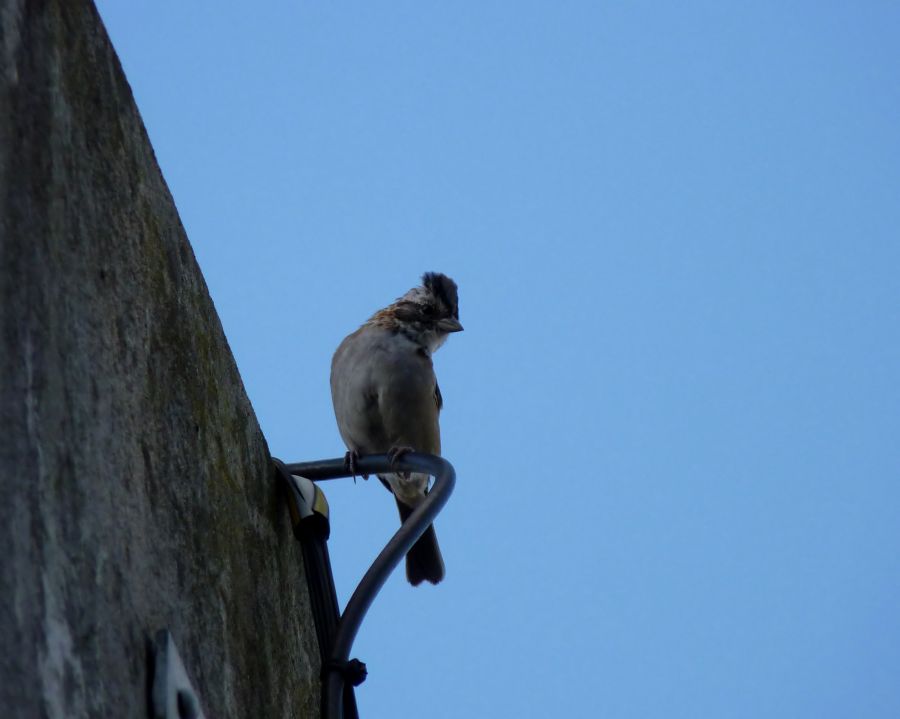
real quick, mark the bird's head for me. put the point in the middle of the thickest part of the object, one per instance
(427, 313)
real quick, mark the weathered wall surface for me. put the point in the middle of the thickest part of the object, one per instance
(135, 490)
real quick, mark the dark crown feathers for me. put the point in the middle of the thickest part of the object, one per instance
(443, 288)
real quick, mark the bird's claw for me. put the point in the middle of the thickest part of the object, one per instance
(395, 454)
(351, 460)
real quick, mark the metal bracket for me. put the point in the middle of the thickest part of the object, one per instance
(172, 695)
(336, 677)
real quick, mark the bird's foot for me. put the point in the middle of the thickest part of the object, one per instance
(351, 460)
(394, 456)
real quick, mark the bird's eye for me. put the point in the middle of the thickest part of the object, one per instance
(428, 310)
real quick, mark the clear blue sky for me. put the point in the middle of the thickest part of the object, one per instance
(675, 410)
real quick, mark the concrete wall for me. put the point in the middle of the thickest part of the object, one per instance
(135, 488)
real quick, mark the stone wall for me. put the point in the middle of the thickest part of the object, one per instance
(135, 485)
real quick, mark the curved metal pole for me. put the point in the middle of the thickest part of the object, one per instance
(385, 563)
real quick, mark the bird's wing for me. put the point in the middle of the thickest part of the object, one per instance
(355, 395)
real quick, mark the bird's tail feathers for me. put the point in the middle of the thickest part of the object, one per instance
(424, 561)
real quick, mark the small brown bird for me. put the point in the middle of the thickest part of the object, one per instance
(386, 397)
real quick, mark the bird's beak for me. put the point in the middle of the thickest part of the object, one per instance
(448, 325)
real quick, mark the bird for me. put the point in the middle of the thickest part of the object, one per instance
(387, 400)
